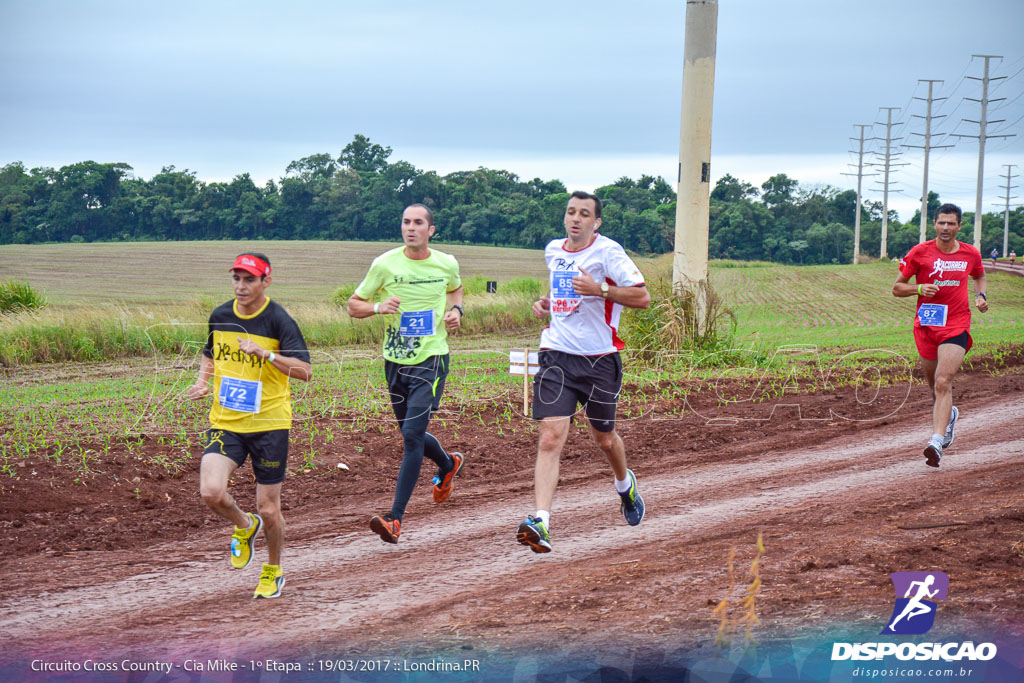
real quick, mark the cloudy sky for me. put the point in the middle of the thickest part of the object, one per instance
(583, 92)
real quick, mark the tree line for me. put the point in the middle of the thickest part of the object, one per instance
(360, 194)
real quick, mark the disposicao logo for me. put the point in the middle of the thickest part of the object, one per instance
(914, 614)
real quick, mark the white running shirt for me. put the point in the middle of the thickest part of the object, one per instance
(586, 326)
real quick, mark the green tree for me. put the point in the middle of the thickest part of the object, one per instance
(362, 155)
(778, 190)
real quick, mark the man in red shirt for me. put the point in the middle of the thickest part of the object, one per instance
(940, 268)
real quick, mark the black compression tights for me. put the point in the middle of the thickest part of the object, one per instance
(418, 442)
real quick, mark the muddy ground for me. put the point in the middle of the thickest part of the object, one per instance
(128, 561)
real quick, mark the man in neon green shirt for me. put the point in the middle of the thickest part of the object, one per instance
(423, 302)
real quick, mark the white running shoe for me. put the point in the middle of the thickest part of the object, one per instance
(947, 441)
(933, 452)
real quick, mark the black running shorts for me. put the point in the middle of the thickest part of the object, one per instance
(962, 340)
(566, 380)
(416, 389)
(269, 451)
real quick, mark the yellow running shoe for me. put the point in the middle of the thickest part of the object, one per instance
(271, 582)
(242, 541)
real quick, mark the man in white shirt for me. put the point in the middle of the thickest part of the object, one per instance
(592, 278)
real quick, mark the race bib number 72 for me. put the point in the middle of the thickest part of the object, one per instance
(242, 395)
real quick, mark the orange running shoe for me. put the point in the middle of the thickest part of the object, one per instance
(387, 526)
(443, 487)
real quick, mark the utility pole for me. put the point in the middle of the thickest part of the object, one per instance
(860, 175)
(889, 154)
(690, 262)
(927, 147)
(982, 123)
(1006, 209)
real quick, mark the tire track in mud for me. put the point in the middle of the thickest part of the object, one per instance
(353, 580)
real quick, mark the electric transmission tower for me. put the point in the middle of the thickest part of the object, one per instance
(860, 174)
(982, 136)
(1006, 208)
(927, 146)
(887, 164)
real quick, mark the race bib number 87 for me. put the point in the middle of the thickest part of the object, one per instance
(932, 315)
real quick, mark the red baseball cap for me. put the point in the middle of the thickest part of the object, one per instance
(251, 264)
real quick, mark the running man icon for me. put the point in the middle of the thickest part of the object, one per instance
(915, 607)
(919, 591)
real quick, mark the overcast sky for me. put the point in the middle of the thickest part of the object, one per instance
(582, 92)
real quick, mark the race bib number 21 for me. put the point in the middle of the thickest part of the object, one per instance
(417, 324)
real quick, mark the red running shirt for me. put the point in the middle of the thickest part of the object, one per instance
(928, 265)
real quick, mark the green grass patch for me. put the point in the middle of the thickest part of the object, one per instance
(17, 296)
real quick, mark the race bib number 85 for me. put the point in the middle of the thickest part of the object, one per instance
(561, 284)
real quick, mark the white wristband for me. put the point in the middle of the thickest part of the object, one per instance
(271, 357)
(376, 308)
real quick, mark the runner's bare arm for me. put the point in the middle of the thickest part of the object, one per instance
(981, 287)
(293, 367)
(903, 288)
(202, 386)
(453, 317)
(361, 308)
(630, 297)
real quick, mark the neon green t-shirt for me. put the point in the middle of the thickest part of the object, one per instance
(417, 331)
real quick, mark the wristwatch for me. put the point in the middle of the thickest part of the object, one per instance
(462, 313)
(604, 289)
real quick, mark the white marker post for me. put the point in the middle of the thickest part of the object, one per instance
(524, 362)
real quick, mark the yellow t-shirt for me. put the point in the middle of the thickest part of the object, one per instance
(250, 394)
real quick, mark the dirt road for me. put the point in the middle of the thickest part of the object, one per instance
(840, 506)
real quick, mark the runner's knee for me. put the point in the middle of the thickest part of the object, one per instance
(213, 494)
(605, 440)
(551, 438)
(269, 510)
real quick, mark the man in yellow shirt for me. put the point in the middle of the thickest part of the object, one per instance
(252, 349)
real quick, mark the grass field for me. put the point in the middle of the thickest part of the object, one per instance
(103, 296)
(170, 272)
(848, 306)
(74, 411)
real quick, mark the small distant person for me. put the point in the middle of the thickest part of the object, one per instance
(994, 254)
(1013, 258)
(942, 326)
(252, 349)
(592, 278)
(422, 304)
